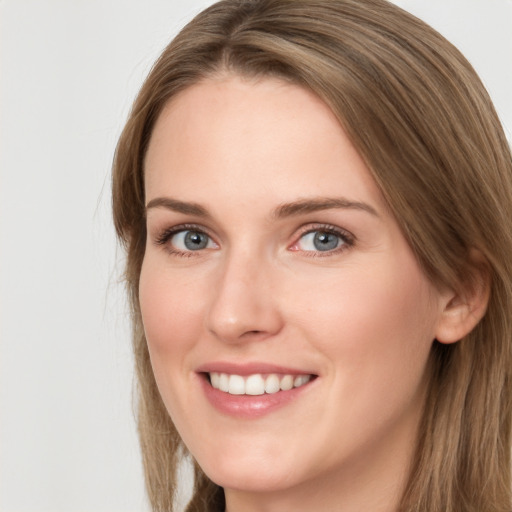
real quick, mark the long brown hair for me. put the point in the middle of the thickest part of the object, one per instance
(421, 119)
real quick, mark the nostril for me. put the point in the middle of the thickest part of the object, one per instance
(254, 335)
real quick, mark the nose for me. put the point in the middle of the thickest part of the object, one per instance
(245, 306)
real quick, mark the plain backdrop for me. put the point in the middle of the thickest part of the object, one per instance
(69, 71)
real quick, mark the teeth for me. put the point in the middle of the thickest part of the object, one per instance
(215, 378)
(300, 380)
(224, 382)
(236, 385)
(256, 384)
(272, 384)
(286, 383)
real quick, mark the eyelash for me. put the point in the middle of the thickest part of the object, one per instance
(167, 234)
(347, 239)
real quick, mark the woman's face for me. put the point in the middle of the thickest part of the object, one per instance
(272, 262)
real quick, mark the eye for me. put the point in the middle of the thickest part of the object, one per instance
(182, 240)
(319, 241)
(189, 240)
(323, 240)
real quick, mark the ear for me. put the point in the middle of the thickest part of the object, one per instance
(465, 308)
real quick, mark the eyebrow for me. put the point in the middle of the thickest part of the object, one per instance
(299, 207)
(303, 206)
(178, 206)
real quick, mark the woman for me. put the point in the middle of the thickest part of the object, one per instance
(316, 201)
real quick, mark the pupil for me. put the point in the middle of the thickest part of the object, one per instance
(325, 241)
(195, 241)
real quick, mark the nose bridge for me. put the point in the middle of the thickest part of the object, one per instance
(243, 306)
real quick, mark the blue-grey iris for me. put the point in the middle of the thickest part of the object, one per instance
(325, 241)
(195, 241)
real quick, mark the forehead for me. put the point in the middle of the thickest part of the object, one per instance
(252, 138)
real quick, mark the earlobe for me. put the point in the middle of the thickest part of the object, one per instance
(463, 310)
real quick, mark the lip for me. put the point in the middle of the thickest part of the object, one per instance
(246, 369)
(250, 406)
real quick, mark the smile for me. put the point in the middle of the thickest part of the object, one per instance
(256, 384)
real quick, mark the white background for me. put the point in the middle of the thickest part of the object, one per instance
(69, 71)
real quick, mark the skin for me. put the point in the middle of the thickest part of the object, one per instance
(361, 317)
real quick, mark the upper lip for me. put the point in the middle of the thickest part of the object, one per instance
(251, 368)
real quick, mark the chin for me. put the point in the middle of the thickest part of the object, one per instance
(262, 475)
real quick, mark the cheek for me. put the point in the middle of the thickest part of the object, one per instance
(376, 329)
(376, 333)
(361, 309)
(171, 311)
(169, 301)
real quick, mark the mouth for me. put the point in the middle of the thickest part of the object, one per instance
(254, 389)
(256, 384)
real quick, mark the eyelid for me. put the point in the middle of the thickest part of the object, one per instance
(348, 238)
(164, 235)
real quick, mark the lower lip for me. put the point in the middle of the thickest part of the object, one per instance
(249, 406)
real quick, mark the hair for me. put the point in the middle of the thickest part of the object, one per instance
(422, 121)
